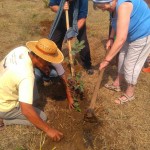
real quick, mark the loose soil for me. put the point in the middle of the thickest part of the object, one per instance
(119, 127)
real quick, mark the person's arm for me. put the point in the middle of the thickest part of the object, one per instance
(82, 14)
(123, 21)
(68, 92)
(81, 23)
(26, 86)
(55, 8)
(110, 40)
(29, 112)
(61, 72)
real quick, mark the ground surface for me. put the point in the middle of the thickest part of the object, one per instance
(120, 127)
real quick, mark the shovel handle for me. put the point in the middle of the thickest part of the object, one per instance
(67, 19)
(69, 45)
(94, 96)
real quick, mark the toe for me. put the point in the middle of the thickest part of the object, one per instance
(117, 101)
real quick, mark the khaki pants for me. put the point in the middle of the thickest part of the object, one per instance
(15, 116)
(132, 58)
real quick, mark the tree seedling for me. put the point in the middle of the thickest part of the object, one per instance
(75, 83)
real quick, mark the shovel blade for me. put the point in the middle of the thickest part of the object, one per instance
(89, 116)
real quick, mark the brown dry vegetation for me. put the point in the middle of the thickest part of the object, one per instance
(120, 127)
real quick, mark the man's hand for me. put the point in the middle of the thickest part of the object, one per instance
(54, 134)
(70, 102)
(66, 6)
(55, 8)
(68, 92)
(29, 112)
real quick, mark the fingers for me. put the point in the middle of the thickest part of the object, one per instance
(58, 137)
(103, 64)
(100, 67)
(109, 44)
(66, 6)
(71, 103)
(61, 134)
(108, 47)
(71, 106)
(55, 135)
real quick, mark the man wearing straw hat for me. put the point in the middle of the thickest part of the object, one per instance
(17, 84)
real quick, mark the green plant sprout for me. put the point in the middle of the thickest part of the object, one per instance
(77, 47)
(77, 89)
(75, 83)
(79, 85)
(76, 104)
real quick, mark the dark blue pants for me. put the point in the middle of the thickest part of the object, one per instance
(59, 35)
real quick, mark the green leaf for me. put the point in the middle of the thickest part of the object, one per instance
(81, 47)
(82, 42)
(78, 109)
(72, 52)
(76, 104)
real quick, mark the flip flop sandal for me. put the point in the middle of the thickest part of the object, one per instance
(112, 87)
(127, 98)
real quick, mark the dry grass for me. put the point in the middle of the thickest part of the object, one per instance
(122, 127)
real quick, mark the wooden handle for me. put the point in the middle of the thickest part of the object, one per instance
(94, 96)
(69, 45)
(67, 19)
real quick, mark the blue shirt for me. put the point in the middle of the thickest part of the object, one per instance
(83, 7)
(139, 26)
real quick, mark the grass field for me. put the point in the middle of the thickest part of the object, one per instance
(120, 127)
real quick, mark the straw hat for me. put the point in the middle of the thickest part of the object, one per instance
(46, 49)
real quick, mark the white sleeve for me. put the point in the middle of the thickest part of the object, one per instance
(59, 68)
(26, 90)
